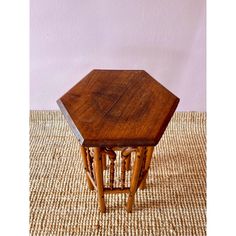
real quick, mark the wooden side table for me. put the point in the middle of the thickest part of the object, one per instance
(111, 111)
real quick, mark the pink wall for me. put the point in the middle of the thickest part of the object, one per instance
(164, 37)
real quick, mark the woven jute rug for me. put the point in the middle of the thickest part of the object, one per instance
(174, 202)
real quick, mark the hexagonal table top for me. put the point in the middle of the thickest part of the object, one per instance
(118, 108)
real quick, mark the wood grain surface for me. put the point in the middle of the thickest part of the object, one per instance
(118, 108)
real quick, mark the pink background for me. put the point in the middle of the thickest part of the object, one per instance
(164, 37)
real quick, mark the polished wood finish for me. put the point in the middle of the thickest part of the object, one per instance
(112, 156)
(112, 170)
(90, 162)
(116, 190)
(123, 169)
(128, 162)
(118, 108)
(99, 178)
(135, 178)
(147, 165)
(104, 161)
(84, 157)
(92, 181)
(93, 162)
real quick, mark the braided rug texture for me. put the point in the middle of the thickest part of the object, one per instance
(174, 202)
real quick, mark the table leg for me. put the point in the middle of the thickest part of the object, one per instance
(99, 178)
(104, 161)
(127, 162)
(84, 157)
(135, 177)
(147, 165)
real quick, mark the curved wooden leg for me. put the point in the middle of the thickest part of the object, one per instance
(147, 165)
(135, 177)
(84, 157)
(99, 178)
